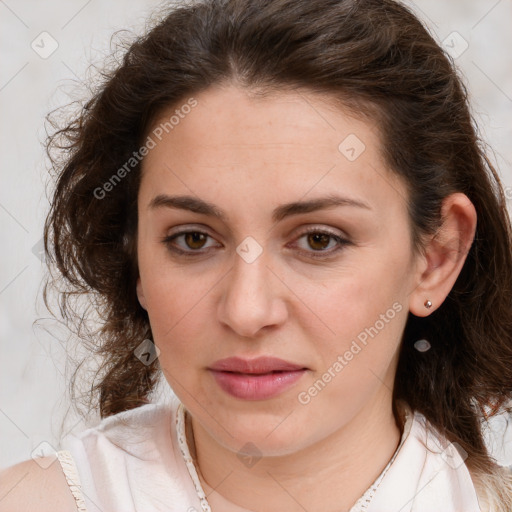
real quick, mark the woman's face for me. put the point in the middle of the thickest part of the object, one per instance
(251, 283)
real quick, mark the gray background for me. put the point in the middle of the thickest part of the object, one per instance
(33, 373)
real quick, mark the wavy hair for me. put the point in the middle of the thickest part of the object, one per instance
(372, 56)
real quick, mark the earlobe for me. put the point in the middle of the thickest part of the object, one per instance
(444, 255)
(140, 294)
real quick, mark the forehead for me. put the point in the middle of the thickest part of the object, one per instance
(229, 119)
(261, 147)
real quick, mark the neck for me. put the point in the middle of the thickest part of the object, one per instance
(328, 476)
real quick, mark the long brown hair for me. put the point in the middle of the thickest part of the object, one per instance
(373, 56)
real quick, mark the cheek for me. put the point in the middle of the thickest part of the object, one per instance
(171, 305)
(168, 290)
(362, 312)
(178, 308)
(355, 359)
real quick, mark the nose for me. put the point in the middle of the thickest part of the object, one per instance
(252, 298)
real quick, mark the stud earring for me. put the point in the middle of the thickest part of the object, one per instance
(428, 304)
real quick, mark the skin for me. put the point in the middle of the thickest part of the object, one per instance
(248, 155)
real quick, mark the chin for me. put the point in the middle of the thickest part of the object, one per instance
(262, 433)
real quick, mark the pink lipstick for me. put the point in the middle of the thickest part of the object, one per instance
(255, 379)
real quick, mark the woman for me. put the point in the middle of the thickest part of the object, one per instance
(283, 208)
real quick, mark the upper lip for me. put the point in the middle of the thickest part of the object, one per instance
(254, 366)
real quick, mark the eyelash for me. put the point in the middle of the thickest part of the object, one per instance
(313, 254)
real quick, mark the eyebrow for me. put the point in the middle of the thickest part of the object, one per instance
(197, 205)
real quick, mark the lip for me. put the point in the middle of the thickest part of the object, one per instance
(255, 379)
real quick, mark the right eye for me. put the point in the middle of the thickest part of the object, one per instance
(193, 240)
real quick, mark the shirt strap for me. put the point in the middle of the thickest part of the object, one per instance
(75, 486)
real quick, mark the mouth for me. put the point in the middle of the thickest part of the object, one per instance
(256, 379)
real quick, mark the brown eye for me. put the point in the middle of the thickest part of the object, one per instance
(321, 244)
(191, 243)
(194, 240)
(318, 241)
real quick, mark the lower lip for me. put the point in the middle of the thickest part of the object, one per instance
(256, 387)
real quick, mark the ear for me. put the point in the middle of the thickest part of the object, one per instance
(444, 255)
(140, 294)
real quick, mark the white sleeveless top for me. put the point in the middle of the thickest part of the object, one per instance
(134, 461)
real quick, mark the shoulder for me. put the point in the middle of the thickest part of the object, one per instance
(121, 445)
(31, 485)
(42, 485)
(146, 416)
(135, 431)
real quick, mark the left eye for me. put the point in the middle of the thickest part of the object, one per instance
(319, 241)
